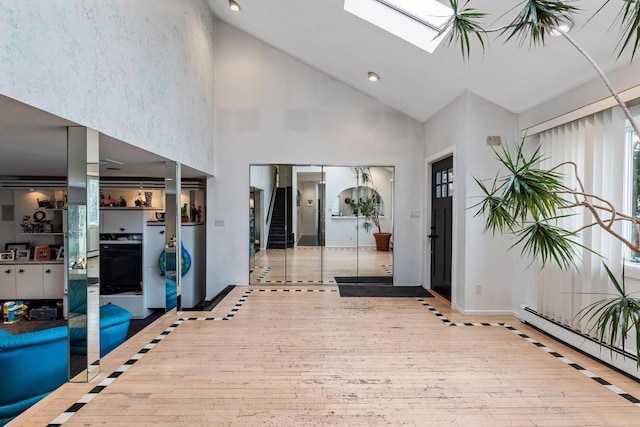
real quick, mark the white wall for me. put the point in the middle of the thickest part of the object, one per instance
(271, 108)
(139, 71)
(622, 78)
(461, 129)
(7, 225)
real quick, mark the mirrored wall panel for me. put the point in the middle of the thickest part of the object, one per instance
(82, 250)
(320, 224)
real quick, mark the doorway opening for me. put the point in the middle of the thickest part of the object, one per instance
(307, 224)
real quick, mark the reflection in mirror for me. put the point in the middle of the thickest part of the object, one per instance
(266, 246)
(172, 234)
(316, 224)
(304, 253)
(375, 223)
(82, 249)
(350, 199)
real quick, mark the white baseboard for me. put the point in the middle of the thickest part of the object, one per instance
(623, 361)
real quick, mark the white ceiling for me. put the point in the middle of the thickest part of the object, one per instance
(321, 34)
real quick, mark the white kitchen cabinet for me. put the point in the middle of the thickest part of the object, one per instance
(153, 243)
(8, 282)
(53, 280)
(29, 281)
(32, 280)
(123, 221)
(193, 283)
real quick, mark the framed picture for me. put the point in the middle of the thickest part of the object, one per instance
(60, 256)
(23, 255)
(16, 246)
(6, 256)
(42, 253)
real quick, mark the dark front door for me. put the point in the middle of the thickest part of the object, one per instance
(441, 230)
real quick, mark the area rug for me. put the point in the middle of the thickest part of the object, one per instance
(386, 291)
(365, 279)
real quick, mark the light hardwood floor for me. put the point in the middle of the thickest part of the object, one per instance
(292, 357)
(315, 264)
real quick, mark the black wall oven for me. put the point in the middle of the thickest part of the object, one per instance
(121, 267)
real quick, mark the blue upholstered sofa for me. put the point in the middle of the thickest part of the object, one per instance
(114, 322)
(32, 365)
(114, 326)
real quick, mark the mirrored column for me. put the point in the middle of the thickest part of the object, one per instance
(82, 250)
(172, 235)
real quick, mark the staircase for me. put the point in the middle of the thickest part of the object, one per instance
(281, 220)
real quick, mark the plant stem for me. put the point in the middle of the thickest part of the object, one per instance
(606, 81)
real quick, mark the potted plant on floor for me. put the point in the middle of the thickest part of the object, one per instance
(367, 205)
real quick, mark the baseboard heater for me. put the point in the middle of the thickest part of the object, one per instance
(613, 356)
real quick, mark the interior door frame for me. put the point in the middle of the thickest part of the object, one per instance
(426, 244)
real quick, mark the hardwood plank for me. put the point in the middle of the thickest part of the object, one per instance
(313, 358)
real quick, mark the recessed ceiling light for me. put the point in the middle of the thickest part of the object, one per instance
(373, 77)
(233, 5)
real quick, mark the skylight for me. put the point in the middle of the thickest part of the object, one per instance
(416, 21)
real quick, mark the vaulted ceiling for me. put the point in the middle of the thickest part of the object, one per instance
(323, 35)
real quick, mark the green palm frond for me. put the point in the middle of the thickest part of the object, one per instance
(537, 18)
(613, 318)
(547, 242)
(529, 190)
(463, 25)
(494, 209)
(629, 17)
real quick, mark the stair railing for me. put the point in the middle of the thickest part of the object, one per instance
(273, 196)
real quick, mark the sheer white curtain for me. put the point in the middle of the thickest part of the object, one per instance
(597, 145)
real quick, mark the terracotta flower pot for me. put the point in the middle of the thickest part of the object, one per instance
(382, 241)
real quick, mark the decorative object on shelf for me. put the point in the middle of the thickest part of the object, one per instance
(60, 256)
(185, 261)
(39, 216)
(29, 226)
(148, 196)
(16, 246)
(183, 211)
(199, 213)
(7, 256)
(23, 255)
(42, 253)
(80, 265)
(160, 216)
(45, 204)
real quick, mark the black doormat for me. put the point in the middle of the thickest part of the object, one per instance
(380, 280)
(370, 291)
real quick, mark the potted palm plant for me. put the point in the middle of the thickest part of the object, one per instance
(367, 205)
(529, 201)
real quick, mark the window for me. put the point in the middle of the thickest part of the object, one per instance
(634, 143)
(417, 22)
